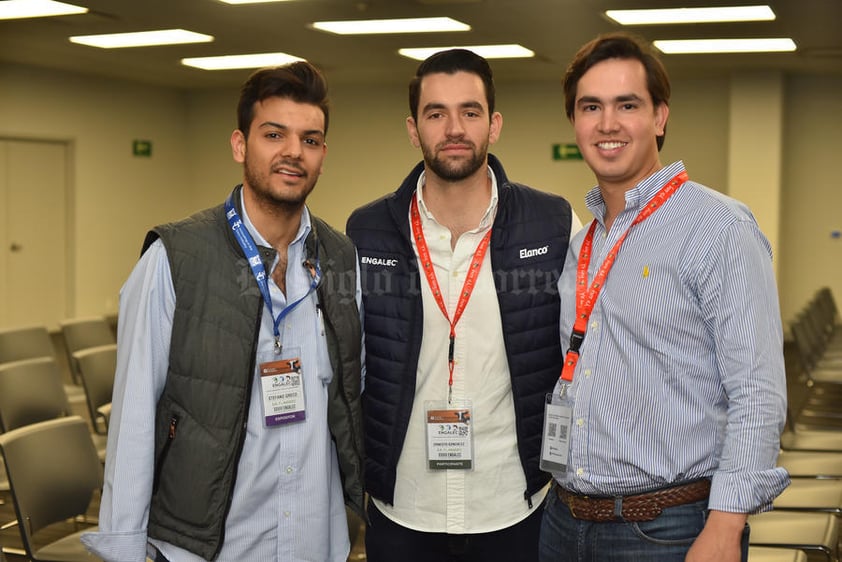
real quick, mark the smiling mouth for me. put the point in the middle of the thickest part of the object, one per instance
(610, 145)
(289, 172)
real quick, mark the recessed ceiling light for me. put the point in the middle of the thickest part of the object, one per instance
(16, 9)
(402, 25)
(692, 15)
(226, 62)
(142, 39)
(487, 51)
(251, 1)
(693, 46)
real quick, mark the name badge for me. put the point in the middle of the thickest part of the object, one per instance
(555, 445)
(282, 388)
(450, 435)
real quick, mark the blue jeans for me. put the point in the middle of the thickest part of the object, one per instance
(666, 538)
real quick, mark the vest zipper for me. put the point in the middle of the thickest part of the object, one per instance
(170, 437)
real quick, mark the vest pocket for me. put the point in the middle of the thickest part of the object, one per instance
(193, 470)
(163, 456)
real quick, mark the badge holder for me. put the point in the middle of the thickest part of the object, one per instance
(450, 435)
(555, 446)
(282, 390)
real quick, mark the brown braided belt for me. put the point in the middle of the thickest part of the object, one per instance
(639, 507)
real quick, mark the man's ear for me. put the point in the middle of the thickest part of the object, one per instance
(496, 127)
(238, 146)
(412, 131)
(662, 113)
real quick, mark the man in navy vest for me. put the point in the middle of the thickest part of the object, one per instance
(459, 269)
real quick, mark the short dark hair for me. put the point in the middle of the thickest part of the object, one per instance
(618, 45)
(299, 81)
(452, 61)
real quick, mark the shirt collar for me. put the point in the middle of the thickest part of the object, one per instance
(303, 228)
(490, 212)
(639, 195)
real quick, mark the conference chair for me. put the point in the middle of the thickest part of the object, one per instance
(25, 342)
(811, 495)
(30, 342)
(822, 371)
(96, 369)
(31, 391)
(817, 534)
(54, 472)
(84, 333)
(811, 464)
(769, 554)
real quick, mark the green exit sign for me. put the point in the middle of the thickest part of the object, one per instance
(142, 148)
(567, 151)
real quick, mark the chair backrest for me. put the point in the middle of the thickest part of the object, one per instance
(28, 342)
(53, 472)
(84, 333)
(96, 369)
(31, 391)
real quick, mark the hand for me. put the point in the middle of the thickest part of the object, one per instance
(720, 540)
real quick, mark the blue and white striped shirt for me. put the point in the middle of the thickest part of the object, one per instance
(681, 372)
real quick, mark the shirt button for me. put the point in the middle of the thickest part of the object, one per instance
(587, 372)
(594, 324)
(286, 514)
(289, 470)
(580, 471)
(455, 274)
(580, 422)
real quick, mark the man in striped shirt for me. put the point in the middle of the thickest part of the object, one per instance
(673, 391)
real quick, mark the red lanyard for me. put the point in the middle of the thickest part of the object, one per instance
(586, 296)
(467, 287)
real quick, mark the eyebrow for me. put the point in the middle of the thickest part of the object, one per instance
(465, 105)
(619, 99)
(283, 127)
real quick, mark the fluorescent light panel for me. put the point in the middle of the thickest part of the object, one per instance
(696, 46)
(17, 9)
(692, 15)
(142, 39)
(251, 1)
(401, 25)
(226, 62)
(487, 51)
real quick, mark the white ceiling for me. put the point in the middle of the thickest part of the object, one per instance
(554, 29)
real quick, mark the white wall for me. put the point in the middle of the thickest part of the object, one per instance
(114, 196)
(811, 205)
(117, 197)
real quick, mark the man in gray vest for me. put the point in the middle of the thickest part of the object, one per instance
(236, 419)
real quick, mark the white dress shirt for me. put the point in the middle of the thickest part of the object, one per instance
(490, 496)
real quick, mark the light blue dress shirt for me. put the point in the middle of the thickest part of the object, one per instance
(287, 503)
(681, 371)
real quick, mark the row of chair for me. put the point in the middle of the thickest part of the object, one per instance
(811, 444)
(53, 459)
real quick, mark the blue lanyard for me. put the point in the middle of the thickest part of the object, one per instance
(259, 272)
